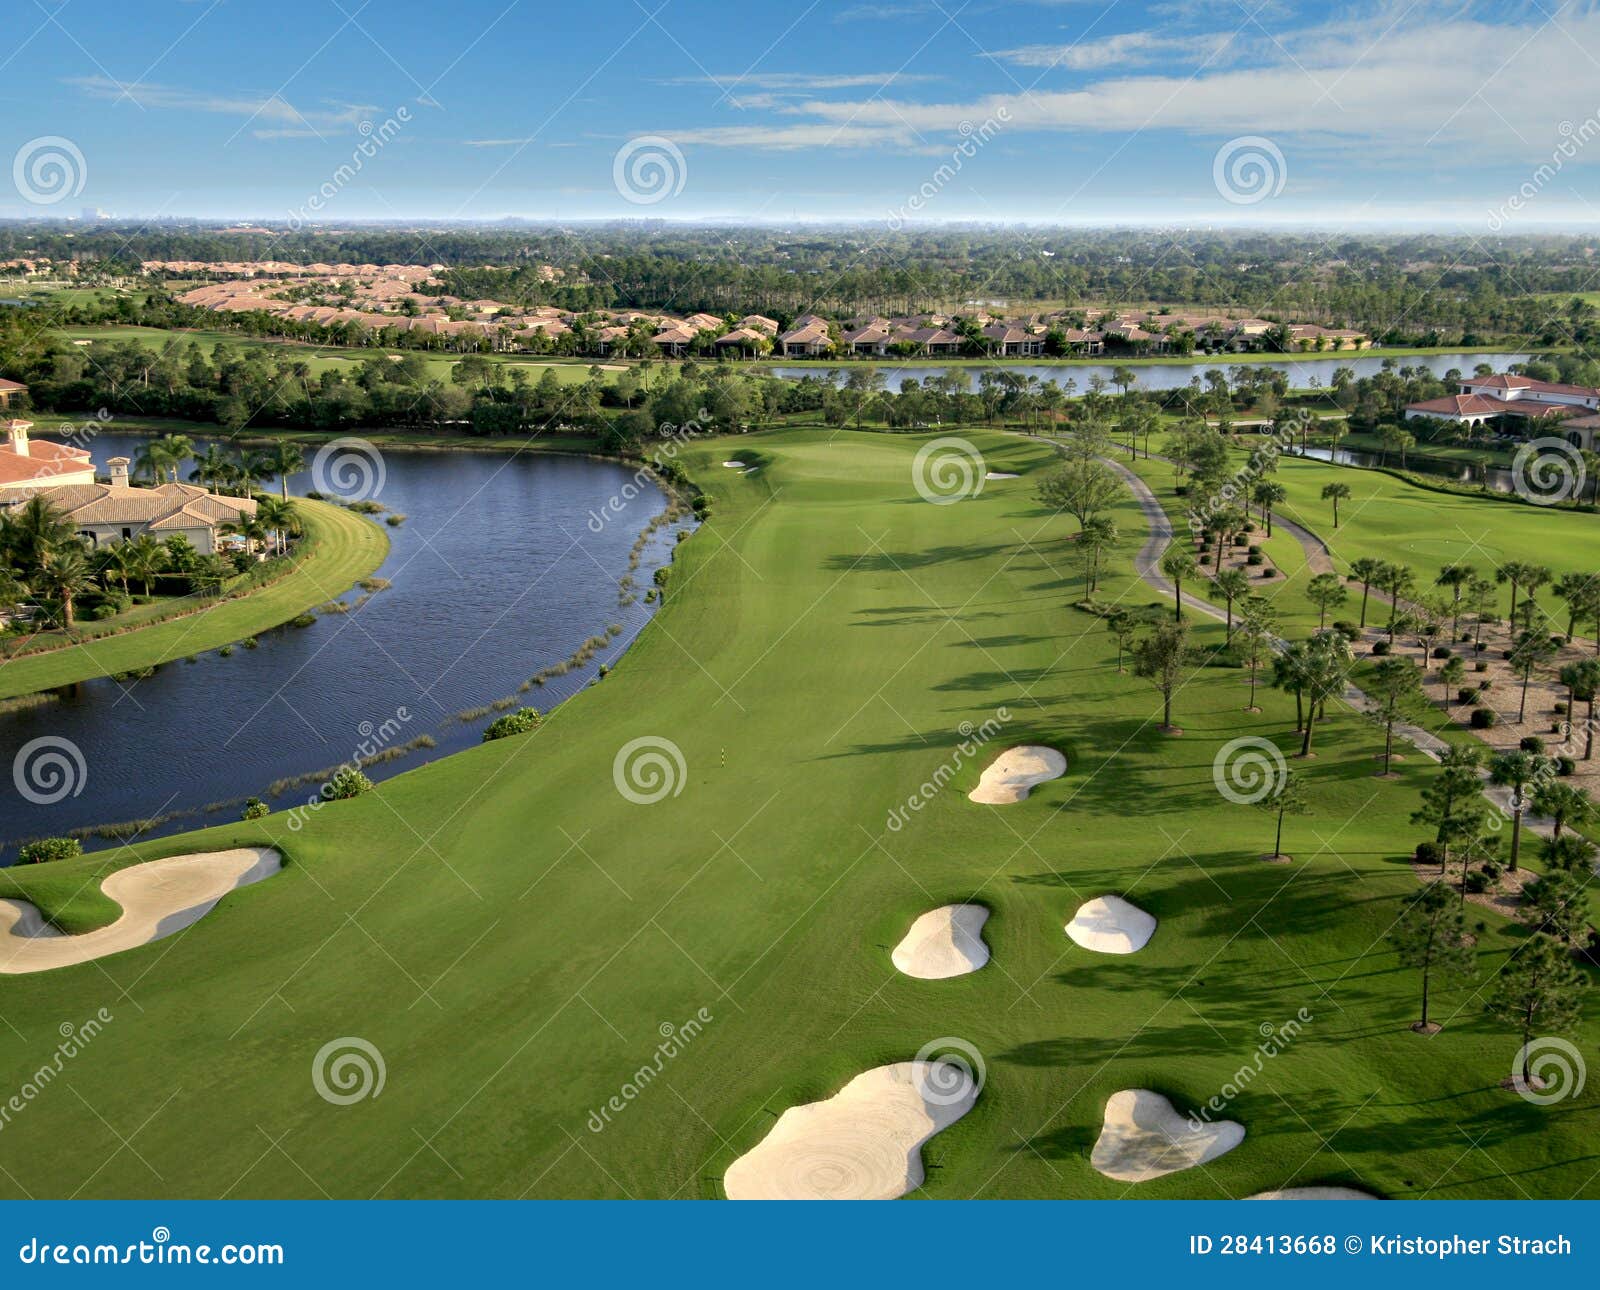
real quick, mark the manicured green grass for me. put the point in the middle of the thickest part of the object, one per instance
(347, 547)
(323, 358)
(513, 935)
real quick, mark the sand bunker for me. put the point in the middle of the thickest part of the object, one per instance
(863, 1143)
(157, 899)
(999, 474)
(1313, 1193)
(944, 942)
(1110, 925)
(736, 465)
(1144, 1137)
(1014, 772)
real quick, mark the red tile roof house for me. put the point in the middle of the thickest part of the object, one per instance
(1582, 432)
(1486, 398)
(116, 512)
(28, 464)
(1009, 341)
(806, 339)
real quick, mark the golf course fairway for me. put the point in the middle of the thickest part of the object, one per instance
(575, 990)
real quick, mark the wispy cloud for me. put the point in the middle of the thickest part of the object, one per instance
(1128, 49)
(291, 121)
(805, 82)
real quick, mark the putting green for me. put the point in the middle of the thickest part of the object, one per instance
(535, 955)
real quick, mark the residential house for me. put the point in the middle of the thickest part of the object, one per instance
(10, 390)
(29, 464)
(808, 338)
(104, 514)
(1012, 342)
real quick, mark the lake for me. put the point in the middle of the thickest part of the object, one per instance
(1163, 376)
(495, 574)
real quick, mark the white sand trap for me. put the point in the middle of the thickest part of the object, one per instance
(157, 899)
(999, 474)
(944, 942)
(736, 465)
(1010, 776)
(1313, 1193)
(863, 1143)
(1144, 1137)
(1110, 925)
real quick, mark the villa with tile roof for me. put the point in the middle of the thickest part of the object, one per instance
(104, 514)
(29, 464)
(1489, 398)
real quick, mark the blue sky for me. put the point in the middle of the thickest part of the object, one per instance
(1187, 112)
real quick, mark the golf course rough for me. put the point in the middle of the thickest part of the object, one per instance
(944, 942)
(158, 898)
(863, 1143)
(1012, 775)
(1144, 1137)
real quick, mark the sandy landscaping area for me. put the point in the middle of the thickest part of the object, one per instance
(1110, 925)
(944, 942)
(1313, 1193)
(863, 1143)
(1144, 1137)
(1011, 775)
(157, 899)
(1000, 474)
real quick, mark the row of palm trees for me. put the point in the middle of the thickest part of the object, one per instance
(216, 469)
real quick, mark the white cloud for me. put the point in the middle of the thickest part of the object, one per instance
(270, 108)
(1128, 49)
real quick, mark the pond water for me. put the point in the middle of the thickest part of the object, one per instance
(1495, 478)
(495, 574)
(1165, 376)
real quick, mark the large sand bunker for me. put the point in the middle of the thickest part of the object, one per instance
(1313, 1193)
(1011, 775)
(863, 1143)
(1144, 1137)
(944, 942)
(1110, 925)
(157, 899)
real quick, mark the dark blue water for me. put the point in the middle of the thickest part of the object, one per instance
(496, 573)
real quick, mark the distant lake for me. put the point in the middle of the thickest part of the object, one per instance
(495, 574)
(1161, 376)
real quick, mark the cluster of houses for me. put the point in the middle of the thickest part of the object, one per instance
(397, 298)
(1514, 403)
(116, 510)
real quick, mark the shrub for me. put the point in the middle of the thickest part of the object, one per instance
(254, 809)
(513, 723)
(1531, 744)
(1442, 651)
(1480, 666)
(250, 642)
(1566, 766)
(1482, 718)
(1428, 853)
(663, 575)
(1255, 550)
(1477, 881)
(1505, 653)
(1380, 647)
(1253, 558)
(395, 520)
(1182, 490)
(1560, 709)
(302, 620)
(49, 849)
(1486, 685)
(1347, 629)
(1269, 572)
(1466, 694)
(346, 783)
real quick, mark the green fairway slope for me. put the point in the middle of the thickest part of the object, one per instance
(517, 938)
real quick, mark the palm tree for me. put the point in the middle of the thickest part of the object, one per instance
(1533, 649)
(1336, 493)
(1231, 585)
(1178, 564)
(252, 468)
(1516, 769)
(285, 459)
(251, 529)
(1324, 669)
(1582, 680)
(1397, 580)
(280, 517)
(1369, 571)
(145, 558)
(1563, 803)
(30, 532)
(65, 575)
(1521, 574)
(1456, 577)
(211, 467)
(153, 460)
(1266, 495)
(1580, 591)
